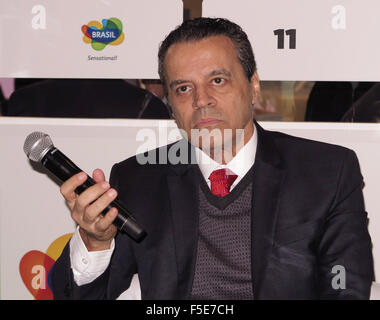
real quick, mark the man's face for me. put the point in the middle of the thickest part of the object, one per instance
(207, 87)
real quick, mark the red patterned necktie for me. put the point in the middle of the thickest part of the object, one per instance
(221, 181)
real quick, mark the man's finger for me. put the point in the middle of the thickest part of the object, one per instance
(100, 204)
(90, 195)
(68, 188)
(104, 223)
(98, 175)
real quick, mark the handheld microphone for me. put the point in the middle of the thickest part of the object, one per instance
(39, 148)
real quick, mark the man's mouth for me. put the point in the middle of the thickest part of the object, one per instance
(206, 122)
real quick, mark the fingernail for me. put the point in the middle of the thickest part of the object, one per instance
(111, 193)
(105, 185)
(82, 176)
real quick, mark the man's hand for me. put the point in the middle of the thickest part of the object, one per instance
(96, 230)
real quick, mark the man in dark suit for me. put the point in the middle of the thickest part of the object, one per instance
(247, 214)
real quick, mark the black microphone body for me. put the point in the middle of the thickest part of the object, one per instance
(63, 168)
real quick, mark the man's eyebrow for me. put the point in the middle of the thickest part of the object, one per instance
(220, 72)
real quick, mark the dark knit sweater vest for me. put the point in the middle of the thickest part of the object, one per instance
(223, 263)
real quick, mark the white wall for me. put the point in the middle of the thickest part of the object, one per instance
(44, 38)
(334, 41)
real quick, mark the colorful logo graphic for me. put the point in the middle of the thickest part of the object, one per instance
(35, 266)
(110, 31)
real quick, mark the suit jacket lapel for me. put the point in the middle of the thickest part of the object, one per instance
(183, 192)
(267, 180)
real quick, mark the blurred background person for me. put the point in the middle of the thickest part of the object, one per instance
(85, 98)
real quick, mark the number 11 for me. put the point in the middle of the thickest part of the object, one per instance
(280, 33)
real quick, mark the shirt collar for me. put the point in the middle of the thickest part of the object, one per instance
(240, 164)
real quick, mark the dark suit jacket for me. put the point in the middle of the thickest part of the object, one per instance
(307, 216)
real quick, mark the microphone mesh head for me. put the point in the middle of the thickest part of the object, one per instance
(36, 145)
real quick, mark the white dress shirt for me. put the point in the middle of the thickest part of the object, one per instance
(240, 164)
(87, 266)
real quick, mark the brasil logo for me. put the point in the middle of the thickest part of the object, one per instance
(35, 268)
(110, 31)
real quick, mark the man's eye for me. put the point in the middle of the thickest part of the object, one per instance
(182, 89)
(218, 81)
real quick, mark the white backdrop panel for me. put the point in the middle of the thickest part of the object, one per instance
(44, 39)
(33, 213)
(333, 40)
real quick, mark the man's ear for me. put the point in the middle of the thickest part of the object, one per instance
(256, 88)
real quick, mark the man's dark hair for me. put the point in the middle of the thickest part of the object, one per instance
(200, 28)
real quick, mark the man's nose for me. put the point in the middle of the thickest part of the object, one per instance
(203, 98)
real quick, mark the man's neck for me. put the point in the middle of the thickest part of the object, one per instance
(228, 151)
(240, 164)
